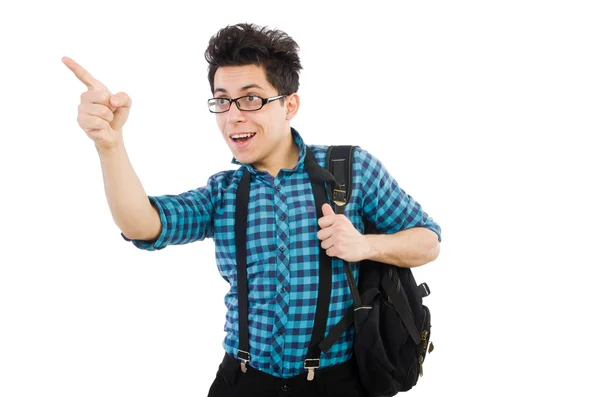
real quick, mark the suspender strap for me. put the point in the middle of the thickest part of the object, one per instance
(339, 160)
(241, 222)
(318, 176)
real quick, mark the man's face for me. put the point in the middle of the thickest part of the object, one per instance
(269, 127)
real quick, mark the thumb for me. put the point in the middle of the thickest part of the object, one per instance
(327, 210)
(122, 102)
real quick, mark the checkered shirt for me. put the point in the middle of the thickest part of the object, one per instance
(283, 250)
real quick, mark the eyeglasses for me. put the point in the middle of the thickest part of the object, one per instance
(248, 103)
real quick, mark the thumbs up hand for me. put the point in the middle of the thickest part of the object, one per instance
(340, 238)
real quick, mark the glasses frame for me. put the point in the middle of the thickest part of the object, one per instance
(264, 102)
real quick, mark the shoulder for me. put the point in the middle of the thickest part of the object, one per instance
(224, 179)
(221, 185)
(364, 163)
(360, 156)
(367, 161)
(320, 153)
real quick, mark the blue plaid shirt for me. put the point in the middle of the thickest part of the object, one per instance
(283, 250)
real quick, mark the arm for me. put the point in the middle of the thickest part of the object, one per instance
(102, 116)
(150, 222)
(405, 235)
(406, 248)
(131, 210)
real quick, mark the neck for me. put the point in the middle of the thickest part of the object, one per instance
(285, 157)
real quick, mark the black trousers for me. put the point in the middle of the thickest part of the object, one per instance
(338, 380)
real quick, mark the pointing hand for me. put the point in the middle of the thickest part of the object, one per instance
(101, 114)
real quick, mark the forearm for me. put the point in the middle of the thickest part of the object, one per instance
(127, 200)
(407, 248)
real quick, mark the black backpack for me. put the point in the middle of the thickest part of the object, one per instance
(392, 326)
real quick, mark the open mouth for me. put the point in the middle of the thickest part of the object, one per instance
(243, 139)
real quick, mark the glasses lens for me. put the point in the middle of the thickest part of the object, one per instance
(250, 102)
(218, 105)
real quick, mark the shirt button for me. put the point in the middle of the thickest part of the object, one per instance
(278, 188)
(282, 248)
(284, 387)
(282, 217)
(276, 367)
(282, 289)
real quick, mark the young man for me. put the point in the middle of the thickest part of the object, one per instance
(253, 75)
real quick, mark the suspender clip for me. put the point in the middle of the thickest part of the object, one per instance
(244, 358)
(311, 365)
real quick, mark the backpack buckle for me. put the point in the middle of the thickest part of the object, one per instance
(311, 364)
(339, 196)
(244, 358)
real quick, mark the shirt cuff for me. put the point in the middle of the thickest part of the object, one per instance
(158, 243)
(436, 229)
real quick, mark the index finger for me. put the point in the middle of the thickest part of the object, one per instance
(83, 75)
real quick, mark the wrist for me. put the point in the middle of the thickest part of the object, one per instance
(110, 150)
(369, 246)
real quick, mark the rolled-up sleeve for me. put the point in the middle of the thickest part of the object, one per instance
(385, 205)
(185, 218)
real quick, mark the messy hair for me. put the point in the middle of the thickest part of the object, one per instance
(248, 44)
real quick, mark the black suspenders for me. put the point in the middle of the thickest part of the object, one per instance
(319, 177)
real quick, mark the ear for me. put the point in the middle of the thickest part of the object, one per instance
(292, 104)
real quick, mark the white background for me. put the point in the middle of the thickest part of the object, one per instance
(484, 112)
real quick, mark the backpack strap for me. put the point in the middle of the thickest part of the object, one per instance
(402, 307)
(339, 163)
(241, 224)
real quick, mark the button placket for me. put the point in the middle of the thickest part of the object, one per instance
(282, 276)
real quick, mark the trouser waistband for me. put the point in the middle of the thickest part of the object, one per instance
(232, 366)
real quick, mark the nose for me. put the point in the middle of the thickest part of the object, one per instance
(235, 115)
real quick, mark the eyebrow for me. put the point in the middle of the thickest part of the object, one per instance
(244, 88)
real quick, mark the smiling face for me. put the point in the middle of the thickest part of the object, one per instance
(270, 146)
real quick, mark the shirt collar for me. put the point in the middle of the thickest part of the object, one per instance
(301, 154)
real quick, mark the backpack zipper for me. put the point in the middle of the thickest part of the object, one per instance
(424, 338)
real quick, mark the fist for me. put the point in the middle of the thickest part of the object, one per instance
(340, 238)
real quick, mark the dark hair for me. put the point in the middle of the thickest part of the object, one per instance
(248, 44)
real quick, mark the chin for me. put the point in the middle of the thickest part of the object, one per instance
(244, 159)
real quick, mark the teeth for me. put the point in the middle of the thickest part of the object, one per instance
(242, 135)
